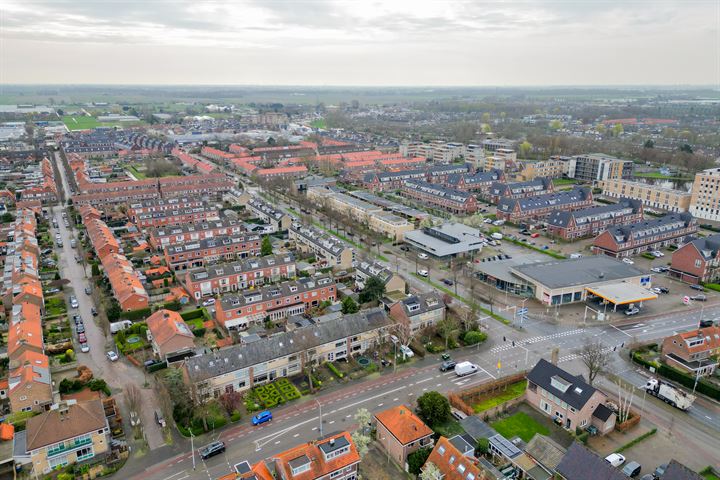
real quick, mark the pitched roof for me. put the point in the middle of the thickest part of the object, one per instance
(710, 337)
(313, 453)
(167, 325)
(579, 463)
(709, 247)
(569, 388)
(422, 303)
(678, 471)
(452, 463)
(403, 424)
(545, 450)
(57, 425)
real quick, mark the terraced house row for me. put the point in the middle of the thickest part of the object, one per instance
(231, 277)
(585, 222)
(540, 206)
(443, 198)
(474, 182)
(394, 180)
(330, 251)
(274, 302)
(224, 248)
(278, 220)
(189, 232)
(530, 188)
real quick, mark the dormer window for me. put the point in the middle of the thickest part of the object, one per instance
(560, 383)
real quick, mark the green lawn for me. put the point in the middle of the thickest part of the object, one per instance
(320, 123)
(710, 476)
(138, 174)
(520, 425)
(449, 428)
(80, 122)
(564, 181)
(512, 391)
(660, 176)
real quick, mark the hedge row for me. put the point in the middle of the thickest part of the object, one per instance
(639, 439)
(140, 313)
(195, 314)
(687, 380)
(277, 393)
(712, 286)
(335, 370)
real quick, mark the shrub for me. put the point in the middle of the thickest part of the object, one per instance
(713, 286)
(192, 314)
(199, 332)
(583, 437)
(433, 407)
(157, 367)
(417, 459)
(334, 369)
(98, 384)
(140, 313)
(235, 416)
(473, 337)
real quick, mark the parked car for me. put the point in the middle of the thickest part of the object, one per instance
(82, 338)
(660, 470)
(535, 235)
(77, 319)
(615, 459)
(52, 290)
(134, 419)
(88, 290)
(657, 253)
(74, 302)
(406, 351)
(656, 270)
(262, 417)
(423, 273)
(632, 469)
(84, 347)
(700, 297)
(447, 365)
(664, 289)
(80, 328)
(699, 288)
(212, 449)
(208, 302)
(423, 256)
(706, 323)
(628, 261)
(632, 311)
(448, 282)
(112, 356)
(94, 311)
(159, 418)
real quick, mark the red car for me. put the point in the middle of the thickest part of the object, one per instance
(82, 338)
(535, 235)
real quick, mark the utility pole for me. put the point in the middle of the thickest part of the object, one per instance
(192, 446)
(320, 408)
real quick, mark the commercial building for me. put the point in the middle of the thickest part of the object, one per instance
(443, 198)
(655, 197)
(655, 234)
(170, 337)
(539, 207)
(567, 398)
(574, 224)
(333, 457)
(697, 261)
(694, 351)
(419, 311)
(278, 219)
(231, 277)
(554, 167)
(531, 188)
(243, 366)
(560, 282)
(274, 302)
(400, 432)
(330, 251)
(705, 201)
(183, 256)
(447, 240)
(163, 236)
(68, 434)
(595, 167)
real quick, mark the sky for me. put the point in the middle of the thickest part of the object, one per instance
(361, 42)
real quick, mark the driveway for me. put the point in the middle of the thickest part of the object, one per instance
(116, 374)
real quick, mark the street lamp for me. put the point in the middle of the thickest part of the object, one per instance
(192, 445)
(320, 408)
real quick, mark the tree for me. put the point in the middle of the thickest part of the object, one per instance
(556, 124)
(349, 305)
(482, 447)
(374, 290)
(95, 269)
(617, 129)
(7, 217)
(473, 337)
(649, 143)
(686, 148)
(417, 459)
(362, 442)
(363, 417)
(231, 401)
(266, 247)
(525, 148)
(178, 391)
(595, 358)
(433, 407)
(431, 472)
(446, 327)
(114, 311)
(132, 397)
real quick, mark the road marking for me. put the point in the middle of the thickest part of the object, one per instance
(296, 435)
(380, 404)
(174, 475)
(423, 380)
(438, 385)
(329, 423)
(621, 331)
(394, 400)
(277, 443)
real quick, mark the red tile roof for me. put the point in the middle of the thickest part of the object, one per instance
(403, 424)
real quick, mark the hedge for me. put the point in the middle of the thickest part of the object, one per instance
(712, 286)
(703, 386)
(639, 439)
(157, 367)
(473, 337)
(199, 332)
(334, 369)
(140, 313)
(193, 314)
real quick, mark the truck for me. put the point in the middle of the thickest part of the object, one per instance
(465, 368)
(121, 325)
(669, 394)
(497, 236)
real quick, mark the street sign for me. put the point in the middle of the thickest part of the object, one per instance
(686, 300)
(523, 318)
(522, 311)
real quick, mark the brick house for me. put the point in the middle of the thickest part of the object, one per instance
(530, 188)
(332, 457)
(539, 206)
(475, 182)
(567, 399)
(419, 311)
(29, 384)
(195, 254)
(169, 335)
(163, 236)
(697, 261)
(586, 222)
(455, 464)
(401, 432)
(695, 351)
(443, 198)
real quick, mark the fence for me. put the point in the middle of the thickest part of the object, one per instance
(463, 399)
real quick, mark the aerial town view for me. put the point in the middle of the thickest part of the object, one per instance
(346, 240)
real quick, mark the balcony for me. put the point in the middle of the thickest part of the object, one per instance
(68, 446)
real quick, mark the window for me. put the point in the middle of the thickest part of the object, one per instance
(452, 459)
(85, 453)
(441, 450)
(301, 468)
(697, 263)
(461, 468)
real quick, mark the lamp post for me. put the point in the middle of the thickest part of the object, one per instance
(192, 446)
(320, 408)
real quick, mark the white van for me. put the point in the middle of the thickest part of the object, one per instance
(465, 368)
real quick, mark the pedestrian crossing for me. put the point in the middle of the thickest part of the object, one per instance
(532, 340)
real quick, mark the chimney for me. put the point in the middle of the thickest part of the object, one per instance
(554, 356)
(332, 442)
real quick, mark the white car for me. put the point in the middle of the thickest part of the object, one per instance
(84, 347)
(423, 273)
(423, 256)
(632, 311)
(406, 351)
(208, 302)
(615, 459)
(112, 356)
(658, 254)
(628, 261)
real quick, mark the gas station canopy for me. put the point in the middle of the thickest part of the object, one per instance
(622, 293)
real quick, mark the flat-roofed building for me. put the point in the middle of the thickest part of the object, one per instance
(652, 196)
(447, 240)
(274, 216)
(554, 167)
(595, 167)
(705, 200)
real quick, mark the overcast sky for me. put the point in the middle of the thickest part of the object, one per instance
(361, 42)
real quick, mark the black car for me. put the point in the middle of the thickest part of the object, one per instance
(706, 323)
(212, 449)
(77, 319)
(448, 282)
(664, 289)
(94, 312)
(447, 365)
(80, 328)
(698, 287)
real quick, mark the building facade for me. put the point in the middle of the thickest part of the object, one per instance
(655, 197)
(400, 432)
(443, 198)
(539, 207)
(695, 351)
(697, 261)
(183, 256)
(705, 201)
(330, 251)
(585, 222)
(595, 167)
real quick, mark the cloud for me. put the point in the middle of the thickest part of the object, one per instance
(413, 41)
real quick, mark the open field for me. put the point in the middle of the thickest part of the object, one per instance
(82, 122)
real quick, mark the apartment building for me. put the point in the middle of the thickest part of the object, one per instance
(71, 432)
(419, 311)
(585, 222)
(655, 234)
(180, 216)
(438, 151)
(333, 457)
(279, 220)
(501, 159)
(694, 351)
(440, 173)
(393, 282)
(400, 432)
(292, 171)
(705, 200)
(235, 276)
(475, 182)
(274, 302)
(190, 232)
(245, 365)
(390, 225)
(443, 198)
(697, 261)
(567, 399)
(331, 251)
(655, 197)
(531, 188)
(223, 248)
(492, 145)
(596, 167)
(538, 207)
(554, 167)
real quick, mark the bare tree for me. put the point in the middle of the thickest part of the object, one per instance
(595, 357)
(625, 400)
(430, 472)
(446, 327)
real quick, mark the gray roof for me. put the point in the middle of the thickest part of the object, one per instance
(374, 269)
(577, 271)
(516, 188)
(556, 199)
(569, 388)
(505, 446)
(285, 289)
(709, 247)
(261, 207)
(324, 241)
(561, 218)
(545, 450)
(237, 357)
(646, 228)
(678, 471)
(477, 428)
(602, 413)
(446, 239)
(219, 241)
(438, 190)
(241, 266)
(579, 463)
(426, 302)
(196, 227)
(475, 178)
